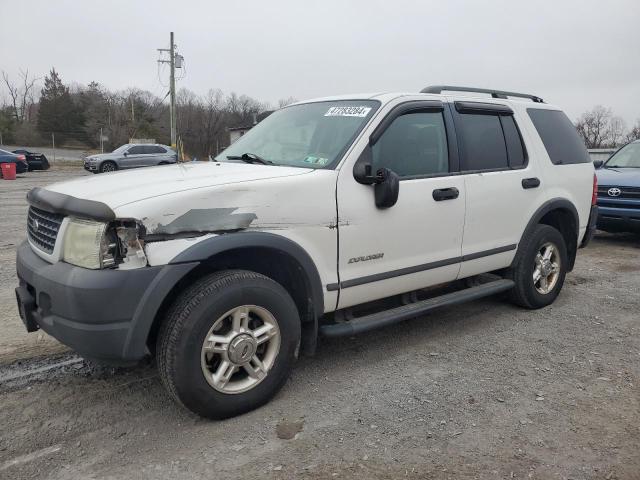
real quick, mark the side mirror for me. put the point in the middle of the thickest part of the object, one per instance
(126, 154)
(598, 163)
(386, 182)
(387, 189)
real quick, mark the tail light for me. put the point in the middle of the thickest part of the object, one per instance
(594, 195)
(22, 158)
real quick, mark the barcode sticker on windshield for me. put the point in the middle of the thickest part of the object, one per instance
(348, 112)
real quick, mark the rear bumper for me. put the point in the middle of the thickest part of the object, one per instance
(102, 314)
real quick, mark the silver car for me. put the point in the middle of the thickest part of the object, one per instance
(131, 155)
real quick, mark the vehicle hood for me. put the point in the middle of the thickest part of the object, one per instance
(120, 188)
(619, 177)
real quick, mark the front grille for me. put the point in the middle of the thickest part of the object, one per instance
(625, 192)
(43, 228)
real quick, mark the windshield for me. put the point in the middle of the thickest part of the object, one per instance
(311, 135)
(121, 149)
(627, 157)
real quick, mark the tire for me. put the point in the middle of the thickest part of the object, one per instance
(180, 350)
(108, 166)
(531, 294)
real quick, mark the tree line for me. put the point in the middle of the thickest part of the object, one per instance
(93, 116)
(600, 128)
(85, 116)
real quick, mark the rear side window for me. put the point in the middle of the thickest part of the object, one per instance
(483, 144)
(154, 149)
(559, 136)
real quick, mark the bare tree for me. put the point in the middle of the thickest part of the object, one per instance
(634, 133)
(283, 102)
(593, 125)
(616, 133)
(22, 95)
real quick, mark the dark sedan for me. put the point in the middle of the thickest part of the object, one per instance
(619, 191)
(36, 161)
(20, 160)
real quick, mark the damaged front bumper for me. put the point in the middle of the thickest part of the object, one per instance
(101, 314)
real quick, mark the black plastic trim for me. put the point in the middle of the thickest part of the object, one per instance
(483, 108)
(549, 205)
(402, 109)
(591, 228)
(55, 202)
(376, 277)
(103, 314)
(405, 312)
(212, 246)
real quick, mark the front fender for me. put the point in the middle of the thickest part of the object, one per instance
(219, 244)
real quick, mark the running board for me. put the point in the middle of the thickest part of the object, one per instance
(398, 314)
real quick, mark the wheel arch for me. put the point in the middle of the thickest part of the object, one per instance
(272, 255)
(561, 214)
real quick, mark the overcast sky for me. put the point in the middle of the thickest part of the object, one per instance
(575, 54)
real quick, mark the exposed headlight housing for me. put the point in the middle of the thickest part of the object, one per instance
(97, 245)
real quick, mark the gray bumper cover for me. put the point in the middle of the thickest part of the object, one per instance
(103, 314)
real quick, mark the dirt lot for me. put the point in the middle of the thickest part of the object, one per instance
(485, 390)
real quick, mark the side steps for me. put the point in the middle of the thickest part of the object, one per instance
(398, 314)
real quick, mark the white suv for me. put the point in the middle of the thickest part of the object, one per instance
(331, 217)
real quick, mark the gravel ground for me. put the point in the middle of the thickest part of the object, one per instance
(483, 390)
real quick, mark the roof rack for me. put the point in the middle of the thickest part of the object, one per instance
(493, 93)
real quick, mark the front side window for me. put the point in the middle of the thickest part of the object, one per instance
(310, 135)
(627, 157)
(121, 149)
(137, 150)
(415, 144)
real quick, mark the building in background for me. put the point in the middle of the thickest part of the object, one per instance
(236, 132)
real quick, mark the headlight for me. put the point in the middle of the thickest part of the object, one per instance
(98, 245)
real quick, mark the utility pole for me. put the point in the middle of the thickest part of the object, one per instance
(173, 56)
(172, 87)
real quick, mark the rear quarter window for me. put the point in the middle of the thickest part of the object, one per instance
(559, 136)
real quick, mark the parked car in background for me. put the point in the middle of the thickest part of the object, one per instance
(619, 190)
(36, 161)
(131, 155)
(20, 160)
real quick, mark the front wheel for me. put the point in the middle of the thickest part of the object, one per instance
(228, 343)
(540, 269)
(108, 167)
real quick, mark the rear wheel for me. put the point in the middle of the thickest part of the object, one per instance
(108, 166)
(540, 270)
(228, 343)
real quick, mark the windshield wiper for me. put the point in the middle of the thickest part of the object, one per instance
(250, 158)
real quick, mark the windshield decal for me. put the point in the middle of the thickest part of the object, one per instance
(348, 112)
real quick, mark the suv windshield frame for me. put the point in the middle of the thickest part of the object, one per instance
(373, 104)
